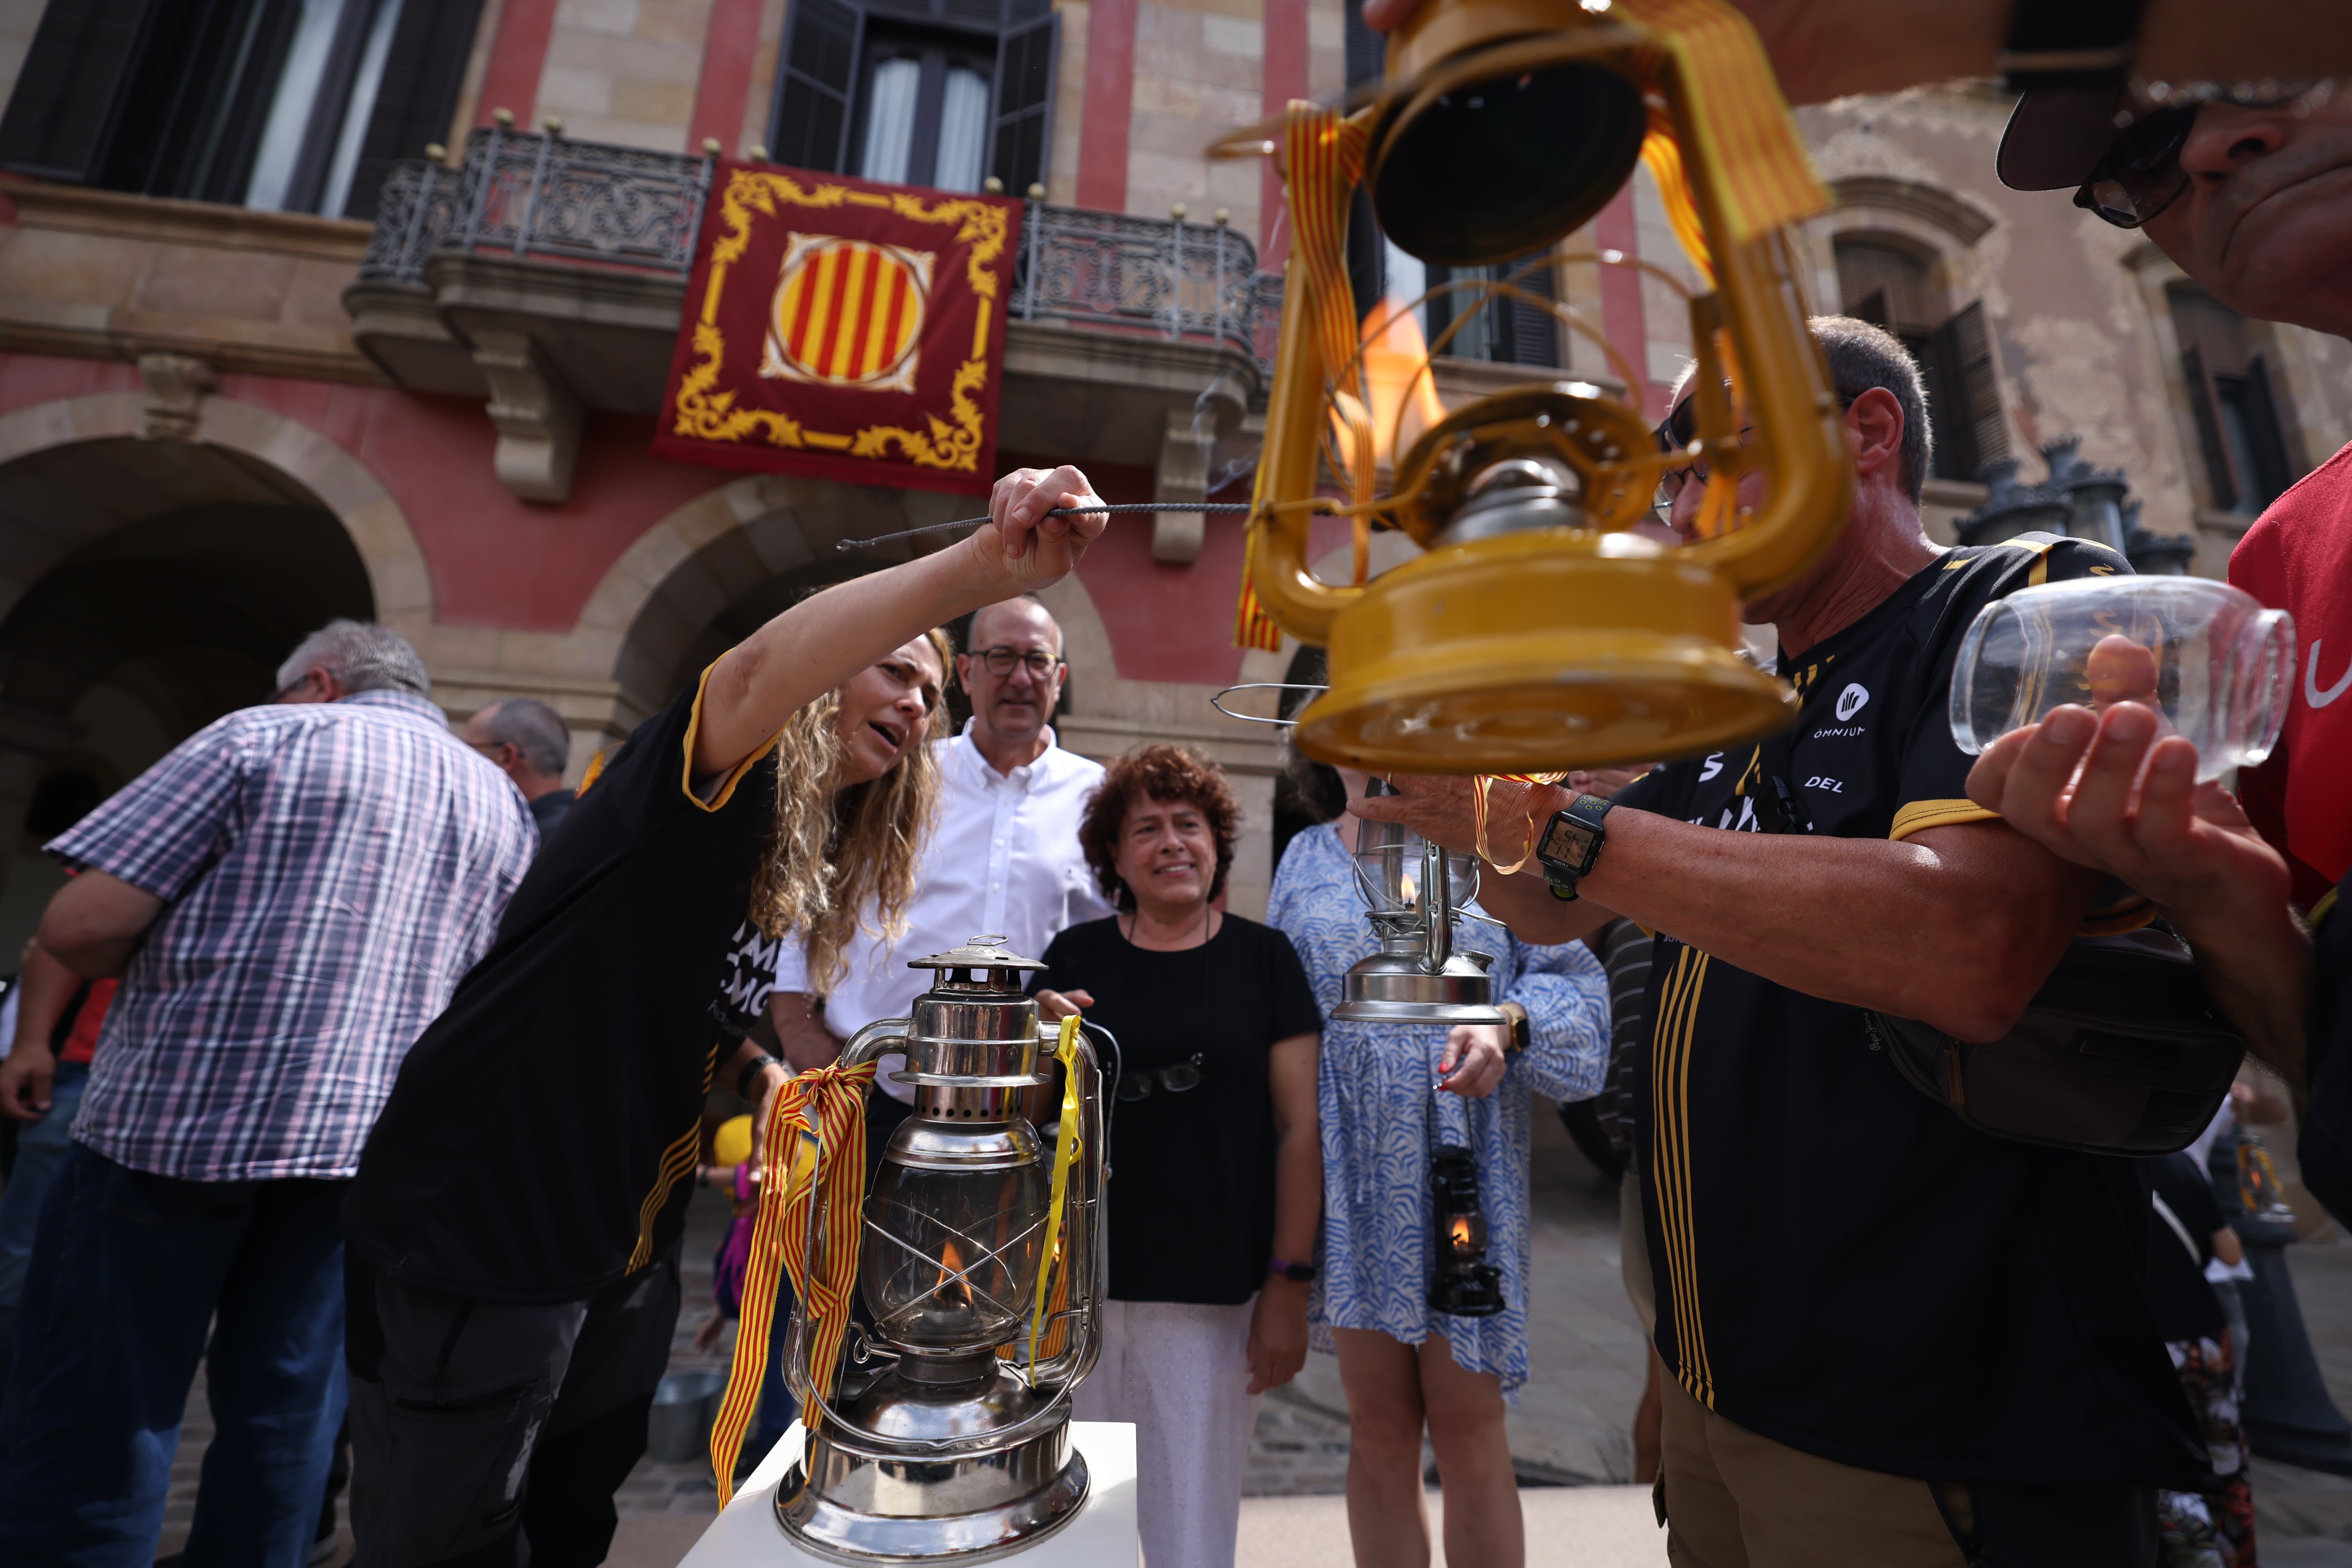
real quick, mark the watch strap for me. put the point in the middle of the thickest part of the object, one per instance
(1302, 1272)
(744, 1087)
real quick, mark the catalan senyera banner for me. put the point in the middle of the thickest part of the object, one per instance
(843, 329)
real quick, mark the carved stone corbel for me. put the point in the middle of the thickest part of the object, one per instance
(177, 385)
(537, 414)
(1183, 475)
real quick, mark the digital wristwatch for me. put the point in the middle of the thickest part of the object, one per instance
(1571, 843)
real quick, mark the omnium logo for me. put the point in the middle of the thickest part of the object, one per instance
(1850, 701)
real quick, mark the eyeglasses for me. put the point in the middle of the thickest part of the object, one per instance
(999, 662)
(1138, 1083)
(2141, 175)
(1678, 430)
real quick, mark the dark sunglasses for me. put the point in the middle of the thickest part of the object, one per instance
(2141, 175)
(1176, 1078)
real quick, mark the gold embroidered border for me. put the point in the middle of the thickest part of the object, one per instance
(706, 412)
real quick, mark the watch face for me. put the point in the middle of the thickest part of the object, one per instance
(1566, 844)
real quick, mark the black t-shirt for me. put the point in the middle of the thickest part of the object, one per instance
(1192, 1186)
(1841, 1265)
(2180, 1246)
(541, 1139)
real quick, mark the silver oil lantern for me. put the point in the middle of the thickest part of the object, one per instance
(1413, 890)
(944, 1442)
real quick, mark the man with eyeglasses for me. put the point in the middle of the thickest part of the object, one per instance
(1003, 858)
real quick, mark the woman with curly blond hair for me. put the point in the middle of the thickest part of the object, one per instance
(1216, 1168)
(513, 1231)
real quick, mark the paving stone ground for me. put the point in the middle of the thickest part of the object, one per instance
(1569, 1426)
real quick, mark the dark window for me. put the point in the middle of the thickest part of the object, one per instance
(1502, 330)
(924, 92)
(1893, 288)
(2229, 393)
(291, 105)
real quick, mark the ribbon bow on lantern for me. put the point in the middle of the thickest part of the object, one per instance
(817, 1137)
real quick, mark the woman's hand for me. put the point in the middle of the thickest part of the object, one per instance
(1057, 1006)
(1021, 543)
(1278, 1339)
(772, 1078)
(1473, 1064)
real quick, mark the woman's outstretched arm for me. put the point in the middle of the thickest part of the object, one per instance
(824, 639)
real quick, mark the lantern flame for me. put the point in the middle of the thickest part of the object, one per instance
(1412, 889)
(953, 1289)
(1458, 1232)
(1396, 374)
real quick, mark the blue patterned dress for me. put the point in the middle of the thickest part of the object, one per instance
(1375, 1104)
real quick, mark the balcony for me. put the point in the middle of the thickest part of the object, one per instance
(549, 276)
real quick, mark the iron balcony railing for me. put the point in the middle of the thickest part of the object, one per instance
(538, 195)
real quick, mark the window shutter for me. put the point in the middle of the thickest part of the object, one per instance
(813, 90)
(423, 71)
(1528, 335)
(1968, 428)
(2272, 473)
(1021, 140)
(61, 118)
(2209, 428)
(1871, 308)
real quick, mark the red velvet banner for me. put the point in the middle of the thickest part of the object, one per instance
(843, 329)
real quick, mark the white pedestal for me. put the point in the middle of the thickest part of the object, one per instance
(1102, 1536)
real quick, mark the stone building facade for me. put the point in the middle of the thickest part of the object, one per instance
(243, 389)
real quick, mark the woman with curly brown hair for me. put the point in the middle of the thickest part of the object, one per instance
(1217, 1170)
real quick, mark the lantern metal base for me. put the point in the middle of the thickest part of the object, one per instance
(1474, 1291)
(1391, 988)
(859, 1506)
(1541, 650)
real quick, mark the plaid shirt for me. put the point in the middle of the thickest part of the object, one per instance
(328, 871)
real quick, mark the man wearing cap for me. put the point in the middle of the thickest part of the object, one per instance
(2253, 200)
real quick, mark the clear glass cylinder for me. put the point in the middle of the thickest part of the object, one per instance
(955, 1266)
(1391, 865)
(2212, 661)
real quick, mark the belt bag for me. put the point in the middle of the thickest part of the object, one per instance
(2121, 1053)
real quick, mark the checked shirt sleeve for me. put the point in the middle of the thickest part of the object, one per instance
(167, 826)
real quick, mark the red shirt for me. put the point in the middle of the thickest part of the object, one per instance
(2297, 557)
(81, 1040)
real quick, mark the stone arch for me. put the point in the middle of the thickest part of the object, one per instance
(1942, 228)
(340, 483)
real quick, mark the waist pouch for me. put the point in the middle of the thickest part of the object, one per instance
(2121, 1052)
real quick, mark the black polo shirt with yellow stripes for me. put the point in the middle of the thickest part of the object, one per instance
(1842, 1265)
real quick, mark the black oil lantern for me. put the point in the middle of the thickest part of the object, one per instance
(1466, 1284)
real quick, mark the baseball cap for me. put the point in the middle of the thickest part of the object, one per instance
(2057, 135)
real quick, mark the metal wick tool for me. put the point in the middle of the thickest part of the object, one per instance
(849, 544)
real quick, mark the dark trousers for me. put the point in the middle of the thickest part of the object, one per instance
(129, 1272)
(476, 1425)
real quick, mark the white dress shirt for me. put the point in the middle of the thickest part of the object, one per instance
(1002, 860)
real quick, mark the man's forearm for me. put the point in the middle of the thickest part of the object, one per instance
(1955, 926)
(44, 991)
(2257, 966)
(94, 922)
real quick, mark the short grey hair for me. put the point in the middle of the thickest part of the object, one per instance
(1860, 356)
(361, 655)
(531, 727)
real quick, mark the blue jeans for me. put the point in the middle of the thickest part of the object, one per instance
(129, 1271)
(40, 1150)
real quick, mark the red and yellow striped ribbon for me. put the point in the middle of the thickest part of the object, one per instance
(831, 1153)
(1740, 122)
(1323, 153)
